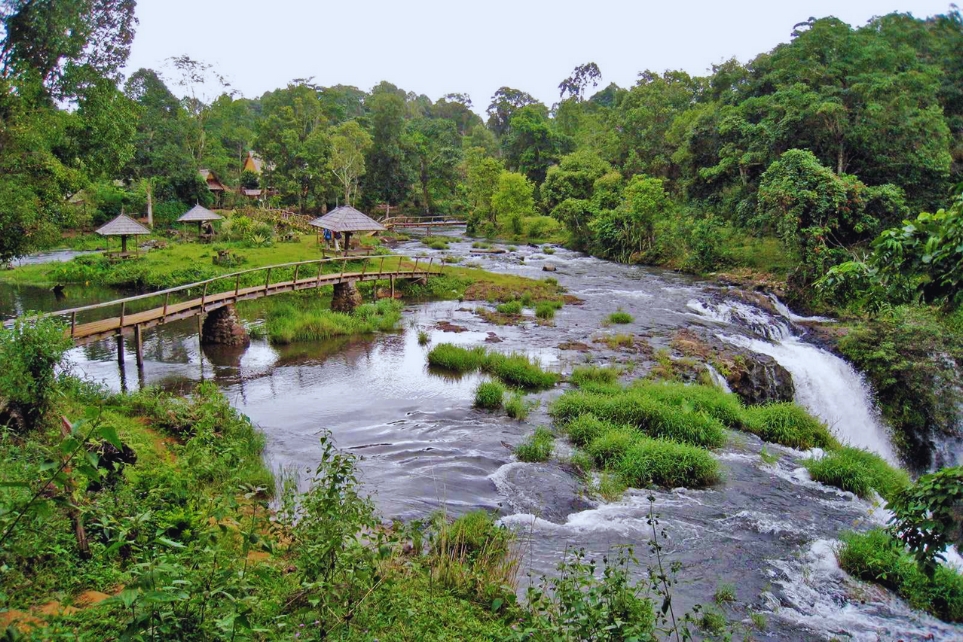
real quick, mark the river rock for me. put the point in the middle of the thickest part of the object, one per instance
(346, 297)
(548, 267)
(758, 379)
(543, 490)
(222, 327)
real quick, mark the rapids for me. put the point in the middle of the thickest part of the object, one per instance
(768, 529)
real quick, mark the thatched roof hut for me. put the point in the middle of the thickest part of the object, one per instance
(346, 220)
(123, 226)
(200, 215)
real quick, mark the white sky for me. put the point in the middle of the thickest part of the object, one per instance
(434, 47)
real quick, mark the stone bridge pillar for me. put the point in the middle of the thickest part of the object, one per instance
(346, 297)
(222, 327)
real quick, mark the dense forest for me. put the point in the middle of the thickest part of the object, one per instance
(823, 143)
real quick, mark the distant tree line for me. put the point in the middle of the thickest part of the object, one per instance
(823, 142)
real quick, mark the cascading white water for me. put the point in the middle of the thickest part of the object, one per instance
(717, 379)
(826, 385)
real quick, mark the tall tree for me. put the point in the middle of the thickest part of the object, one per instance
(388, 176)
(349, 143)
(505, 102)
(435, 150)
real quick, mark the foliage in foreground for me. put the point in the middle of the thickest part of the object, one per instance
(30, 352)
(928, 516)
(876, 556)
(489, 395)
(538, 447)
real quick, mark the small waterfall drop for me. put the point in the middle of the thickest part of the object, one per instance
(717, 379)
(826, 385)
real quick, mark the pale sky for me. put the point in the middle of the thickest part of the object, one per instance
(435, 47)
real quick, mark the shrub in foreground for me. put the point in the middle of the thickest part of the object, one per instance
(876, 556)
(858, 471)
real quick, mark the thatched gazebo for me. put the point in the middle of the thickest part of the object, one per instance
(347, 220)
(200, 215)
(123, 226)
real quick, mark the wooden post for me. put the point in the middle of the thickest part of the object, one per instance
(237, 286)
(267, 281)
(320, 266)
(139, 346)
(344, 264)
(203, 297)
(167, 299)
(123, 312)
(73, 324)
(297, 269)
(392, 280)
(415, 269)
(120, 362)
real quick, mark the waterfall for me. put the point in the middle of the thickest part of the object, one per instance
(826, 385)
(717, 379)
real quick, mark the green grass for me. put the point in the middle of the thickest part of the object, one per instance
(514, 369)
(546, 309)
(725, 593)
(725, 407)
(611, 445)
(510, 307)
(620, 317)
(876, 556)
(489, 395)
(582, 375)
(584, 428)
(517, 407)
(458, 359)
(858, 471)
(423, 338)
(790, 425)
(634, 408)
(291, 319)
(538, 447)
(517, 369)
(667, 464)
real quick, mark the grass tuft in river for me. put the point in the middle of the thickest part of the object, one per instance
(514, 369)
(538, 447)
(858, 471)
(290, 319)
(489, 395)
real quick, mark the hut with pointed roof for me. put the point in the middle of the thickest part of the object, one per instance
(200, 215)
(123, 226)
(347, 220)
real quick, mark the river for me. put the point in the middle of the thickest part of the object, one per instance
(767, 529)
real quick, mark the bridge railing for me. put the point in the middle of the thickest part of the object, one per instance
(243, 278)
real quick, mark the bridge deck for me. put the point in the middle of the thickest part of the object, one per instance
(83, 333)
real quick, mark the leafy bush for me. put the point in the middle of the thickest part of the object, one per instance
(574, 605)
(928, 516)
(620, 316)
(489, 395)
(611, 445)
(788, 424)
(30, 352)
(668, 464)
(876, 556)
(538, 447)
(858, 471)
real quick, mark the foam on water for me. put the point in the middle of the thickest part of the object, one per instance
(818, 595)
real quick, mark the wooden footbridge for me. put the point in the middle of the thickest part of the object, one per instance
(199, 298)
(426, 222)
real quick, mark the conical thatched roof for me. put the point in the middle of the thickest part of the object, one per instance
(347, 219)
(199, 214)
(123, 225)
